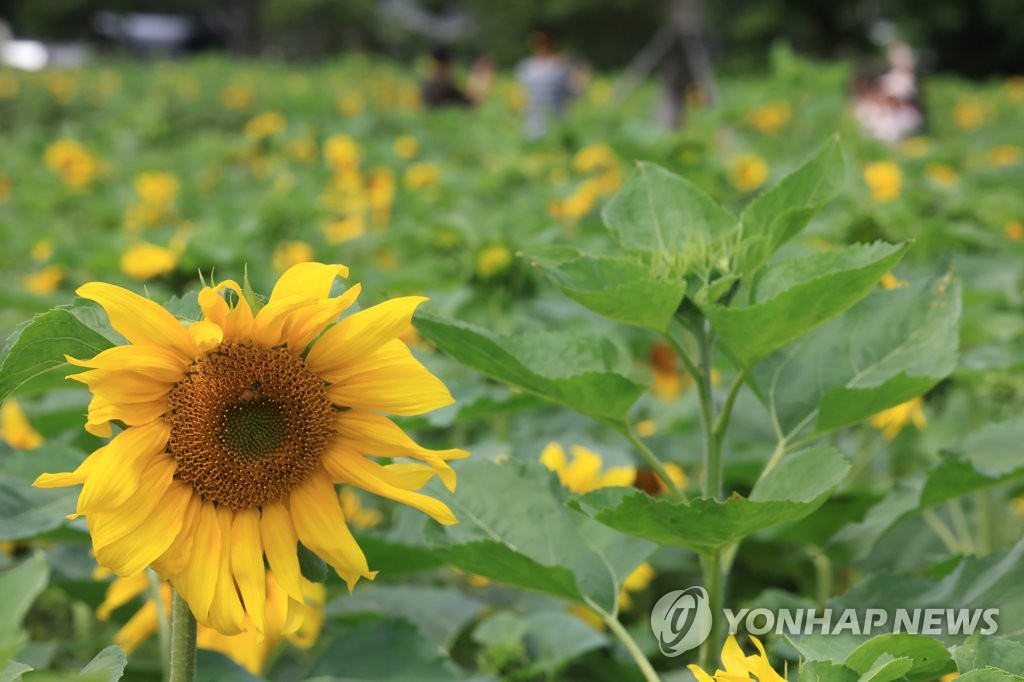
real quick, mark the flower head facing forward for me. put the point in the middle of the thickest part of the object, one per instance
(237, 429)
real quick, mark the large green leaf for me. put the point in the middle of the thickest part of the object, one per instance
(788, 299)
(33, 355)
(979, 652)
(586, 374)
(889, 348)
(779, 214)
(790, 491)
(660, 212)
(514, 528)
(976, 584)
(619, 288)
(985, 458)
(929, 660)
(19, 586)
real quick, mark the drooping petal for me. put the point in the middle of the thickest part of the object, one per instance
(120, 592)
(76, 477)
(140, 320)
(109, 526)
(247, 563)
(348, 466)
(195, 582)
(102, 412)
(302, 329)
(733, 658)
(280, 544)
(321, 527)
(389, 380)
(178, 553)
(375, 434)
(360, 334)
(140, 627)
(115, 474)
(206, 335)
(140, 548)
(226, 613)
(124, 386)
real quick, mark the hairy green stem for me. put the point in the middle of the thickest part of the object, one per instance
(652, 460)
(631, 646)
(183, 642)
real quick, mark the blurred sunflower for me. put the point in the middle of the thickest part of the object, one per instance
(288, 254)
(74, 164)
(143, 261)
(1014, 231)
(238, 427)
(406, 147)
(748, 172)
(770, 118)
(492, 261)
(941, 174)
(15, 428)
(296, 622)
(44, 281)
(968, 115)
(892, 421)
(264, 125)
(885, 180)
(420, 175)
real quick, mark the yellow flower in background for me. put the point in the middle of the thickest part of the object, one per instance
(638, 580)
(891, 281)
(143, 261)
(1004, 155)
(748, 172)
(738, 666)
(941, 174)
(1017, 505)
(892, 421)
(237, 429)
(406, 147)
(594, 157)
(380, 193)
(44, 281)
(885, 180)
(9, 85)
(492, 261)
(770, 118)
(968, 115)
(237, 97)
(301, 148)
(1014, 231)
(61, 86)
(668, 380)
(355, 513)
(15, 428)
(74, 164)
(157, 189)
(43, 249)
(584, 473)
(341, 152)
(288, 619)
(420, 175)
(949, 677)
(916, 147)
(289, 254)
(5, 189)
(344, 229)
(351, 104)
(267, 124)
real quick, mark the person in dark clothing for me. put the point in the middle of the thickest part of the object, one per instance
(440, 89)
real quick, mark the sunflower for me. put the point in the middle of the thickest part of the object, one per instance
(891, 422)
(236, 430)
(298, 624)
(739, 666)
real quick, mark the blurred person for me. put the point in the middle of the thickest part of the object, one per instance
(889, 107)
(550, 80)
(440, 90)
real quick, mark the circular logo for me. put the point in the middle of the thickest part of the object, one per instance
(681, 620)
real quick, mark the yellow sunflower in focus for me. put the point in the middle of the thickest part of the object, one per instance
(739, 666)
(296, 622)
(238, 427)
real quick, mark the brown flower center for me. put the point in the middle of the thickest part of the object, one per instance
(248, 424)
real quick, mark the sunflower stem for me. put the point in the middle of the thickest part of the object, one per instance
(183, 642)
(652, 460)
(631, 646)
(163, 621)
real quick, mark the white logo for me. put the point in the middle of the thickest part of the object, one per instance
(681, 620)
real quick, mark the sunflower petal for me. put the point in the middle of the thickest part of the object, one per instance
(280, 544)
(302, 329)
(140, 627)
(140, 320)
(389, 380)
(157, 362)
(120, 592)
(194, 581)
(321, 527)
(115, 474)
(309, 280)
(247, 563)
(124, 386)
(140, 548)
(237, 321)
(177, 556)
(347, 466)
(109, 526)
(207, 335)
(364, 332)
(76, 477)
(226, 613)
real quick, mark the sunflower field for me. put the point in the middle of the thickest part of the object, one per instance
(305, 382)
